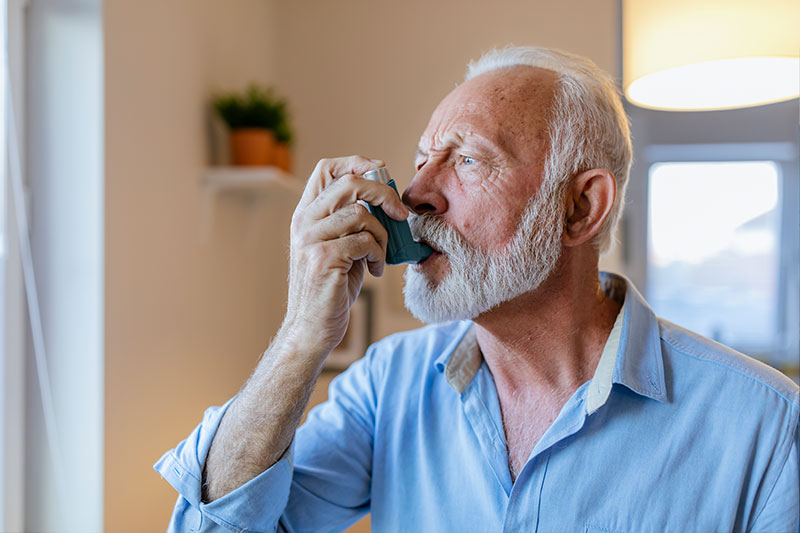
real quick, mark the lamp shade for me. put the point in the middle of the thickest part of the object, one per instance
(693, 55)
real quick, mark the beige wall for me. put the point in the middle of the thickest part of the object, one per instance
(186, 318)
(364, 76)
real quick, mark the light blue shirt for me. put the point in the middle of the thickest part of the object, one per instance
(673, 433)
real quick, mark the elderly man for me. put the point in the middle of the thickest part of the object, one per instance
(546, 397)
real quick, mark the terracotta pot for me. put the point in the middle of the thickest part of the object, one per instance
(283, 157)
(252, 147)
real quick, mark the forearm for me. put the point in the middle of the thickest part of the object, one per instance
(260, 424)
(334, 242)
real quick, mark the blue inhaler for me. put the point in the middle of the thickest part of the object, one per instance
(402, 247)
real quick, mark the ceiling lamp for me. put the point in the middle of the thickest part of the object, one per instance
(696, 55)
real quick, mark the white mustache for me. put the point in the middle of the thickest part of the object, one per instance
(433, 231)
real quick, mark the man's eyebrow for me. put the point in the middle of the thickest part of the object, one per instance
(452, 140)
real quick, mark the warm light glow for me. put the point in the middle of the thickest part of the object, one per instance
(692, 55)
(723, 84)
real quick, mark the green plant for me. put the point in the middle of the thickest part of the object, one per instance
(257, 107)
(283, 132)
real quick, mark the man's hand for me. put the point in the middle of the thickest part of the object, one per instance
(334, 240)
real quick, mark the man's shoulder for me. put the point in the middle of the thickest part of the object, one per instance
(418, 351)
(687, 347)
(427, 342)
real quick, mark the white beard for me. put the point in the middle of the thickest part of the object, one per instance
(478, 280)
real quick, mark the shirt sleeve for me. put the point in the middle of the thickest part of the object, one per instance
(333, 455)
(320, 484)
(781, 513)
(243, 509)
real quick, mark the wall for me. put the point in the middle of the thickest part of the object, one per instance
(365, 76)
(186, 318)
(186, 315)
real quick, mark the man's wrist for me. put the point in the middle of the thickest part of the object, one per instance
(295, 341)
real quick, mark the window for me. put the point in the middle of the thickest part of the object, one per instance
(714, 252)
(3, 282)
(55, 87)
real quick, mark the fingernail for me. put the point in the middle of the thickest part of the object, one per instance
(377, 161)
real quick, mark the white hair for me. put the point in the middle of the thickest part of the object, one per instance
(588, 127)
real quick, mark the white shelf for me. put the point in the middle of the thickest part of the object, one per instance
(253, 186)
(255, 179)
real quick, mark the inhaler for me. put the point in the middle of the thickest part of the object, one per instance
(402, 247)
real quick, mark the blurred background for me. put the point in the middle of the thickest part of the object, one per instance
(161, 269)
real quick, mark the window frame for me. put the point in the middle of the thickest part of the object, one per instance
(14, 316)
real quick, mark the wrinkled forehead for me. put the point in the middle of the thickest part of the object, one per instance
(512, 104)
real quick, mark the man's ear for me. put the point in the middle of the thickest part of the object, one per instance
(589, 199)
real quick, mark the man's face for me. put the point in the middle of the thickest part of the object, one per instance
(479, 163)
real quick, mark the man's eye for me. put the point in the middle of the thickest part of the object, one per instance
(467, 160)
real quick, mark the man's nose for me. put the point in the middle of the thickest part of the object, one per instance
(424, 195)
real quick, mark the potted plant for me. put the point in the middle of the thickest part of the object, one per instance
(283, 151)
(254, 119)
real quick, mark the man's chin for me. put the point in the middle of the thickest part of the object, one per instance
(430, 314)
(419, 294)
(434, 302)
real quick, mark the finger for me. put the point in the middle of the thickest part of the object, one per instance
(376, 268)
(349, 189)
(353, 218)
(359, 246)
(327, 170)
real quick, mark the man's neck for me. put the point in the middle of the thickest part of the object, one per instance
(550, 339)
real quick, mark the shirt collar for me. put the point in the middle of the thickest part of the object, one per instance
(461, 360)
(638, 363)
(600, 388)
